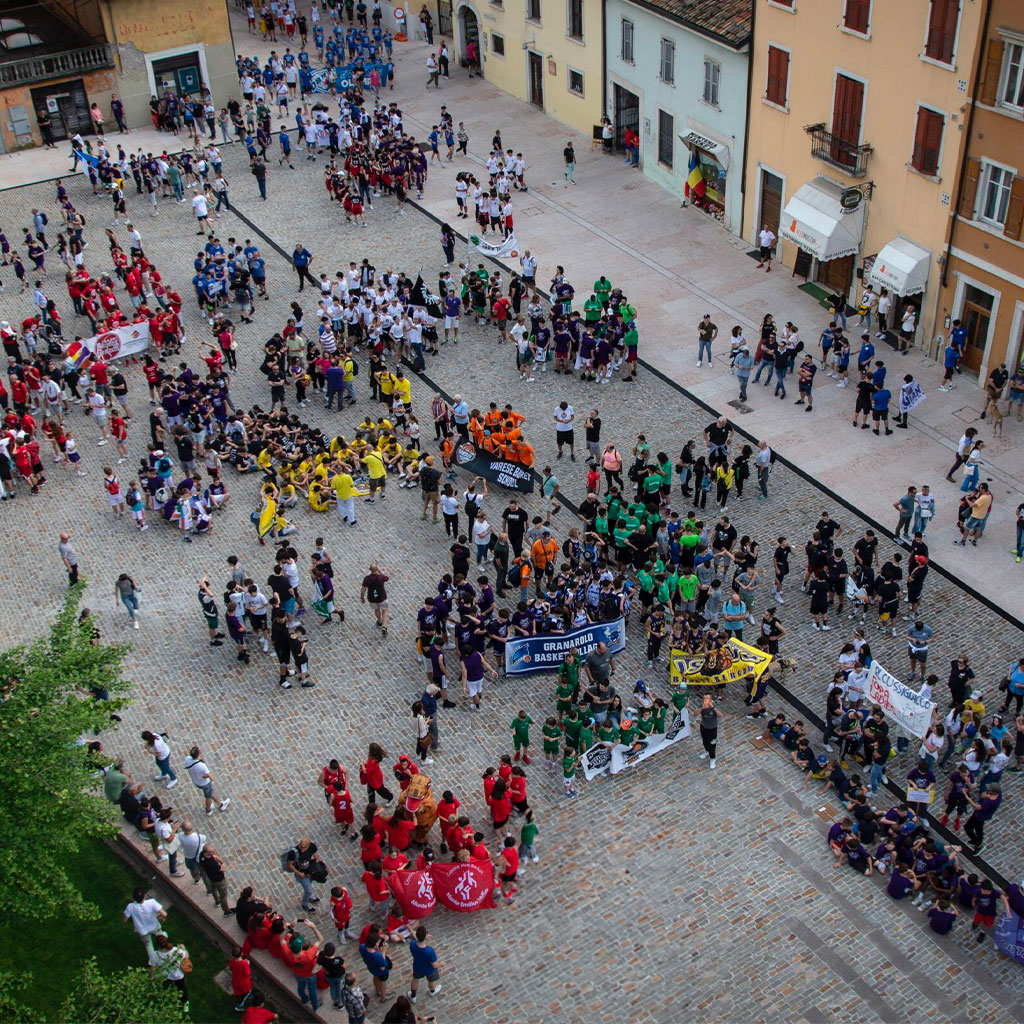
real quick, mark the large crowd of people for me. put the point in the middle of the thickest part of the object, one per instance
(639, 547)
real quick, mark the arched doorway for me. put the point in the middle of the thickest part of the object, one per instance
(469, 38)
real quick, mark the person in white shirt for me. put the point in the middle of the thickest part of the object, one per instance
(202, 779)
(202, 212)
(146, 916)
(564, 416)
(766, 241)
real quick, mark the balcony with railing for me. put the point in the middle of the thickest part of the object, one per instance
(847, 156)
(56, 65)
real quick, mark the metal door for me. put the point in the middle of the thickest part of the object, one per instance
(72, 113)
(627, 114)
(444, 18)
(536, 80)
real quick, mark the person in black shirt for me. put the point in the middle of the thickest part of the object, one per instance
(717, 435)
(281, 638)
(960, 676)
(865, 389)
(588, 510)
(460, 556)
(838, 570)
(866, 553)
(828, 529)
(887, 592)
(515, 519)
(722, 540)
(816, 551)
(593, 429)
(818, 589)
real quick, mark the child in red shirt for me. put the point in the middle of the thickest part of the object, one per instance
(341, 801)
(517, 789)
(241, 978)
(369, 845)
(341, 911)
(505, 768)
(490, 778)
(394, 861)
(447, 810)
(376, 888)
(508, 867)
(501, 807)
(479, 848)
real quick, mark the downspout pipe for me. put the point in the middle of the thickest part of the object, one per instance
(746, 124)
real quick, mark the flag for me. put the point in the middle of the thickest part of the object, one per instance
(87, 158)
(694, 180)
(735, 660)
(509, 248)
(419, 296)
(414, 891)
(911, 394)
(464, 887)
(78, 353)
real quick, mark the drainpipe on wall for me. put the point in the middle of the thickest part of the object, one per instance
(604, 60)
(975, 88)
(746, 123)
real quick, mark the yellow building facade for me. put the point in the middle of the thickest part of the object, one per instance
(546, 52)
(856, 117)
(983, 281)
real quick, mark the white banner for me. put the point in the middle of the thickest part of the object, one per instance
(907, 708)
(911, 395)
(600, 758)
(508, 249)
(120, 342)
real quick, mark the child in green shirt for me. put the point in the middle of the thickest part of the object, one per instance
(521, 735)
(645, 723)
(586, 734)
(627, 732)
(660, 711)
(607, 733)
(527, 836)
(572, 724)
(569, 762)
(552, 734)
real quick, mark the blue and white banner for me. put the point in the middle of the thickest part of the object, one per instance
(546, 653)
(1009, 936)
(345, 76)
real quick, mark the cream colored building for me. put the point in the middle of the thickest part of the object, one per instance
(545, 52)
(855, 116)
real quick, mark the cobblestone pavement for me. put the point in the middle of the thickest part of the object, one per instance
(663, 893)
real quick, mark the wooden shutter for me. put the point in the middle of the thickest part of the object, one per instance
(969, 195)
(846, 120)
(993, 70)
(778, 75)
(942, 30)
(856, 16)
(1015, 210)
(927, 141)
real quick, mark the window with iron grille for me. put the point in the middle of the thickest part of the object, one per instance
(575, 82)
(666, 138)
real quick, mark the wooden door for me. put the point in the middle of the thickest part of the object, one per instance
(771, 202)
(536, 80)
(976, 316)
(847, 112)
(835, 274)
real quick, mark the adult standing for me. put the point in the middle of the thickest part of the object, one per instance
(474, 666)
(763, 465)
(599, 664)
(301, 259)
(707, 331)
(215, 876)
(126, 592)
(374, 591)
(166, 962)
(709, 716)
(766, 243)
(964, 448)
(430, 479)
(300, 861)
(593, 436)
(515, 520)
(425, 964)
(564, 417)
(146, 916)
(984, 808)
(202, 779)
(69, 557)
(743, 364)
(192, 843)
(157, 746)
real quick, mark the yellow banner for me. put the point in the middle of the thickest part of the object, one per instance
(736, 660)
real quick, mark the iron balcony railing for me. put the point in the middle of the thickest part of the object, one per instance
(56, 65)
(838, 152)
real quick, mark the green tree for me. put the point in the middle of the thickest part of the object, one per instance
(130, 997)
(50, 799)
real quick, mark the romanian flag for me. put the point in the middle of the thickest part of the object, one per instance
(694, 179)
(78, 353)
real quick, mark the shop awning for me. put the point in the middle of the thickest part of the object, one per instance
(902, 266)
(717, 149)
(815, 220)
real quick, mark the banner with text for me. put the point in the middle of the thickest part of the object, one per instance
(464, 887)
(736, 660)
(1009, 936)
(600, 758)
(509, 248)
(414, 891)
(118, 343)
(547, 652)
(512, 475)
(904, 706)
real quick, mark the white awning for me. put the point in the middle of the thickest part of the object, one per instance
(717, 149)
(815, 220)
(901, 266)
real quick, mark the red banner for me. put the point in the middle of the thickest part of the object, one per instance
(464, 887)
(414, 891)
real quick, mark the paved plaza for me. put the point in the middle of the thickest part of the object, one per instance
(664, 894)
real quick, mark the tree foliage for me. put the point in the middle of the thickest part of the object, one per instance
(129, 997)
(51, 798)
